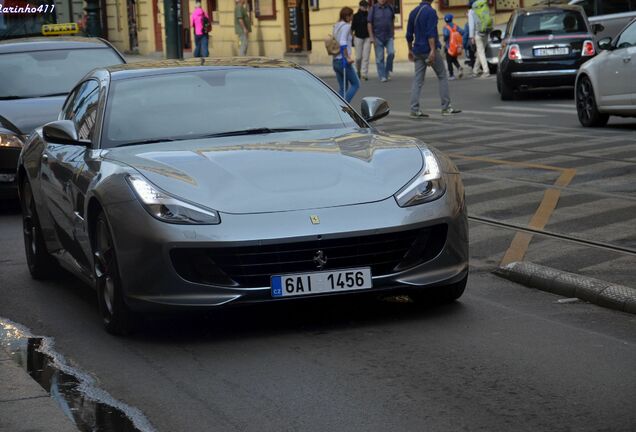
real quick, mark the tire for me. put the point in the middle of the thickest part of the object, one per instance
(505, 90)
(117, 318)
(41, 264)
(443, 294)
(586, 108)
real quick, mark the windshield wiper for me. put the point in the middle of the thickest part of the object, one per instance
(148, 141)
(52, 95)
(254, 131)
(32, 96)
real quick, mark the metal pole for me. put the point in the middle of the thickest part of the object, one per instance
(171, 13)
(93, 24)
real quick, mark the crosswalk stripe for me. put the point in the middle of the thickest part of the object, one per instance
(540, 110)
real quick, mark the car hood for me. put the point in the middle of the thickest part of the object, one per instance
(279, 172)
(28, 114)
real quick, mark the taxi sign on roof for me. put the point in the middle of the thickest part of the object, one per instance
(60, 29)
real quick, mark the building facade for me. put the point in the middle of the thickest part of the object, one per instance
(293, 29)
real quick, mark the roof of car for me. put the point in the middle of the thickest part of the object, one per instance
(138, 69)
(50, 43)
(544, 9)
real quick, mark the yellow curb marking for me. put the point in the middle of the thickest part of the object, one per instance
(521, 240)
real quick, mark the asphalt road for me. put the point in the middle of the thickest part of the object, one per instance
(503, 358)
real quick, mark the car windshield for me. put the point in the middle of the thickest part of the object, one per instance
(51, 72)
(235, 101)
(550, 23)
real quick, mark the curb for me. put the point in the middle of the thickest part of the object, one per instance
(599, 292)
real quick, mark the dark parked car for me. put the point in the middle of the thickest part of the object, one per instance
(241, 180)
(543, 47)
(37, 74)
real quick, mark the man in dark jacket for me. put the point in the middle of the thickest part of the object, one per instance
(424, 50)
(361, 42)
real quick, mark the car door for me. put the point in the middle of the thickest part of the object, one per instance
(618, 73)
(61, 163)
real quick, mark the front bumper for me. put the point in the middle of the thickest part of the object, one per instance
(151, 281)
(8, 170)
(541, 73)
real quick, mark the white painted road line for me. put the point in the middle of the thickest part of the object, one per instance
(540, 110)
(493, 113)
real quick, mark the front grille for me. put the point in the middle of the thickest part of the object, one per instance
(252, 266)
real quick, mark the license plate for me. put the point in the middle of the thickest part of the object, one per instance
(544, 52)
(321, 282)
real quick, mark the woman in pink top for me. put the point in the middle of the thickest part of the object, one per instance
(202, 25)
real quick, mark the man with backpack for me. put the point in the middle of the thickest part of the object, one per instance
(202, 25)
(424, 49)
(479, 26)
(454, 43)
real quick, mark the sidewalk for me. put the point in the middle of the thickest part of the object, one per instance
(322, 70)
(24, 405)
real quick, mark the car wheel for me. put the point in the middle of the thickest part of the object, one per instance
(41, 264)
(505, 90)
(443, 294)
(116, 316)
(586, 108)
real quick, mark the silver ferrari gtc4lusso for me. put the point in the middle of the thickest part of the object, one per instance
(204, 183)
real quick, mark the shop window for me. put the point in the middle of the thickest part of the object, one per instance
(265, 9)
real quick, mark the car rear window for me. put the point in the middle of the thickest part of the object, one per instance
(550, 23)
(43, 73)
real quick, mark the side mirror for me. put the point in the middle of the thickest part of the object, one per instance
(605, 43)
(374, 108)
(495, 35)
(597, 28)
(61, 132)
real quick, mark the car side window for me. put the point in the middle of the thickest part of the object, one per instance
(588, 7)
(614, 6)
(85, 109)
(628, 37)
(67, 109)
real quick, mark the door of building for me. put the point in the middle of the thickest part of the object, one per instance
(297, 26)
(186, 35)
(157, 26)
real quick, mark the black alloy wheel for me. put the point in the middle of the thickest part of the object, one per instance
(41, 264)
(586, 108)
(116, 316)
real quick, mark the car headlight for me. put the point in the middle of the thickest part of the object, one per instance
(168, 208)
(426, 187)
(10, 140)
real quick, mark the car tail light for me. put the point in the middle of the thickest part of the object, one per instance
(588, 48)
(514, 53)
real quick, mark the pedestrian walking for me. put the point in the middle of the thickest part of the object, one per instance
(361, 39)
(479, 26)
(348, 82)
(202, 25)
(424, 49)
(381, 32)
(454, 46)
(242, 25)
